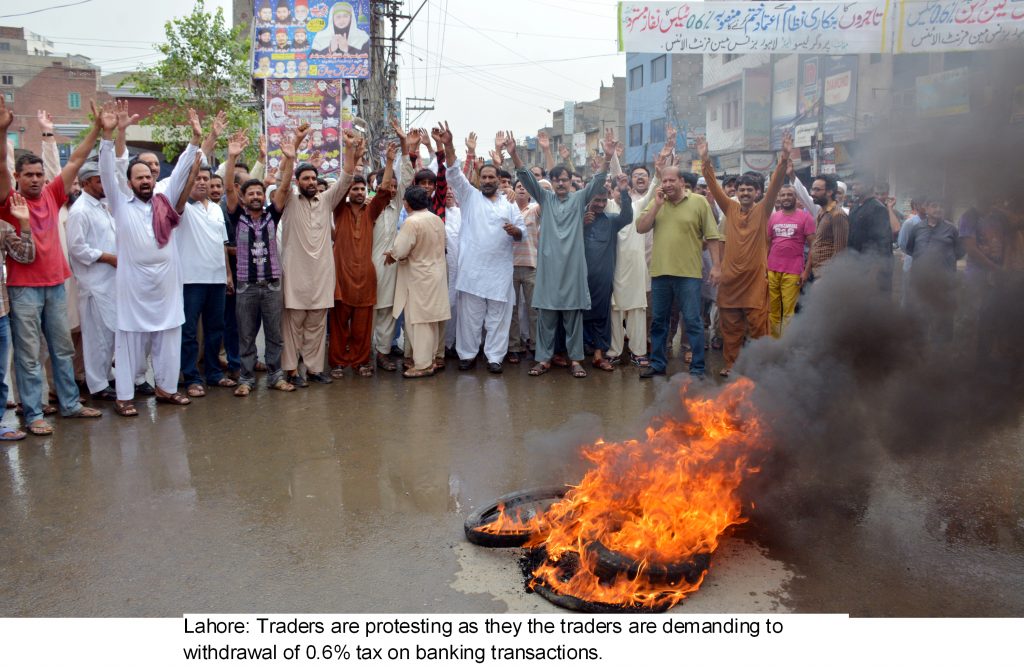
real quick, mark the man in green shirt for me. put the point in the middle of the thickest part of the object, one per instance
(682, 224)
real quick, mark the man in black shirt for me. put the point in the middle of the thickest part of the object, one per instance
(258, 296)
(871, 233)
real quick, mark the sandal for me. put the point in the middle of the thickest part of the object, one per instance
(195, 390)
(226, 382)
(48, 410)
(577, 370)
(176, 399)
(603, 363)
(40, 428)
(86, 412)
(439, 364)
(539, 369)
(337, 372)
(640, 360)
(417, 373)
(125, 408)
(283, 385)
(725, 372)
(559, 360)
(407, 363)
(10, 434)
(242, 390)
(365, 371)
(386, 363)
(513, 358)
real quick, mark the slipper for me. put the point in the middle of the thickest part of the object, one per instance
(177, 399)
(365, 371)
(108, 394)
(417, 373)
(125, 408)
(48, 410)
(539, 369)
(560, 360)
(338, 373)
(226, 382)
(10, 434)
(603, 363)
(439, 364)
(86, 412)
(385, 363)
(407, 363)
(513, 358)
(283, 386)
(40, 428)
(195, 390)
(242, 390)
(577, 370)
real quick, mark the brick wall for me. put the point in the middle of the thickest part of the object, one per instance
(51, 89)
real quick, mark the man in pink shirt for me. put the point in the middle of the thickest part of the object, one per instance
(789, 230)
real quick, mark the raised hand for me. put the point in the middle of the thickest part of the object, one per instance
(300, 136)
(510, 143)
(425, 139)
(124, 119)
(623, 181)
(414, 139)
(543, 141)
(495, 158)
(499, 141)
(659, 196)
(471, 143)
(563, 151)
(316, 160)
(289, 147)
(701, 144)
(237, 143)
(45, 120)
(220, 123)
(107, 116)
(445, 136)
(197, 127)
(349, 137)
(437, 134)
(596, 162)
(787, 145)
(660, 161)
(6, 115)
(609, 143)
(263, 148)
(391, 151)
(670, 135)
(620, 149)
(19, 208)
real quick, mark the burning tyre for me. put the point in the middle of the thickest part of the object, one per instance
(513, 519)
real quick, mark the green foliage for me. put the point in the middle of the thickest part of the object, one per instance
(205, 66)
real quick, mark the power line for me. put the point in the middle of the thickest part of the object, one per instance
(44, 9)
(519, 33)
(507, 64)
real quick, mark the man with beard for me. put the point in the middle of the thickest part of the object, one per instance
(38, 299)
(871, 231)
(308, 260)
(150, 304)
(258, 286)
(789, 229)
(490, 224)
(355, 291)
(832, 228)
(743, 291)
(524, 275)
(561, 294)
(299, 41)
(600, 236)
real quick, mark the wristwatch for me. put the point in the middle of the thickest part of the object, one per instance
(47, 134)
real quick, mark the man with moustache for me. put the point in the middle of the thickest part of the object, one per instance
(832, 227)
(789, 229)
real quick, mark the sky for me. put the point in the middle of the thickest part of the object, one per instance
(489, 65)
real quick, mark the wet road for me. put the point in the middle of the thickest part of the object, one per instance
(351, 498)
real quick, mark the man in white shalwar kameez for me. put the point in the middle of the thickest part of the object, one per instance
(150, 304)
(490, 223)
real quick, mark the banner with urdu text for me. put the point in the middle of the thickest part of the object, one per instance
(958, 25)
(858, 26)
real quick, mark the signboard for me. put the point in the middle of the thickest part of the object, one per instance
(958, 25)
(579, 150)
(757, 109)
(804, 134)
(325, 105)
(944, 94)
(311, 39)
(810, 82)
(784, 89)
(858, 26)
(840, 79)
(569, 118)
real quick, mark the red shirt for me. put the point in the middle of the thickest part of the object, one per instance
(50, 268)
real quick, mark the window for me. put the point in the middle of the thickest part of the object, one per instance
(7, 79)
(729, 57)
(636, 77)
(659, 68)
(636, 134)
(657, 130)
(8, 97)
(74, 101)
(14, 138)
(731, 114)
(5, 46)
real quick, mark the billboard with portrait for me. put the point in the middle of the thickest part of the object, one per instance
(325, 105)
(311, 39)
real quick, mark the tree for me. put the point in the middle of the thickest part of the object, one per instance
(205, 67)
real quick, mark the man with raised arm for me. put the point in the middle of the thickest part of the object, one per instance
(743, 292)
(561, 294)
(308, 260)
(150, 304)
(258, 297)
(490, 225)
(36, 289)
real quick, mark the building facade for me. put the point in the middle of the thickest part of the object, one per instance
(662, 90)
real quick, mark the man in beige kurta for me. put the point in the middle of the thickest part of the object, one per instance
(307, 260)
(421, 288)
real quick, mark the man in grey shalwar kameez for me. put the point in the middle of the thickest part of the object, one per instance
(561, 293)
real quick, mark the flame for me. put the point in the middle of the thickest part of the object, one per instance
(664, 499)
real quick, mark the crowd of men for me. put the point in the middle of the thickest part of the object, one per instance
(112, 271)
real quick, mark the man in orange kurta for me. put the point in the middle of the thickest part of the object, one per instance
(743, 291)
(355, 288)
